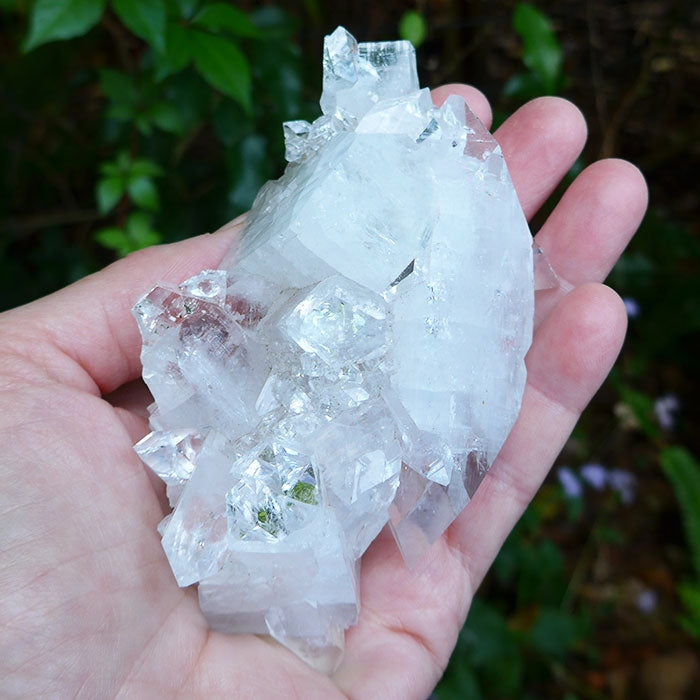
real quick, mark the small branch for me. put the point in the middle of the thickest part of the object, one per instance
(596, 79)
(624, 108)
(121, 40)
(29, 224)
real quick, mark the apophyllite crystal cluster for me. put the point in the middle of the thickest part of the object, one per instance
(356, 361)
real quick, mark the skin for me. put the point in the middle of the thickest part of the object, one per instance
(88, 605)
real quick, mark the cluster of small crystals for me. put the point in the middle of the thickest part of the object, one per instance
(358, 360)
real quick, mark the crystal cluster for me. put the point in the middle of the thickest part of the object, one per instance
(358, 359)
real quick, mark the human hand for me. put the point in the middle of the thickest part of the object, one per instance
(88, 605)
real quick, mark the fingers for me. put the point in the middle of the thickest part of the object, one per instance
(474, 98)
(590, 227)
(541, 142)
(571, 355)
(90, 321)
(594, 221)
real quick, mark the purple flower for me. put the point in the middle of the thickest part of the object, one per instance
(647, 601)
(665, 410)
(596, 475)
(634, 310)
(569, 483)
(624, 483)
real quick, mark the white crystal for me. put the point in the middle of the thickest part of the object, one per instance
(357, 361)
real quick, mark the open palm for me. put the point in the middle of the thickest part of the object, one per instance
(88, 605)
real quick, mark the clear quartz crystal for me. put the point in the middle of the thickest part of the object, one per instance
(357, 361)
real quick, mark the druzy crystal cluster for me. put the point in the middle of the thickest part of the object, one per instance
(358, 359)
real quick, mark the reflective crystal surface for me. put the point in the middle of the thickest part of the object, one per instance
(357, 361)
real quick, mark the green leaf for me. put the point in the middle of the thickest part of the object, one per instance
(683, 471)
(542, 575)
(226, 18)
(145, 18)
(413, 27)
(143, 192)
(143, 124)
(487, 636)
(542, 53)
(166, 116)
(221, 63)
(138, 226)
(109, 169)
(61, 19)
(186, 8)
(177, 52)
(123, 161)
(524, 86)
(115, 239)
(488, 644)
(143, 166)
(118, 87)
(109, 191)
(689, 593)
(555, 633)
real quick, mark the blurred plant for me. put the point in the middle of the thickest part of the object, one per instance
(524, 630)
(175, 30)
(513, 643)
(683, 471)
(177, 34)
(413, 27)
(664, 256)
(129, 182)
(182, 85)
(542, 55)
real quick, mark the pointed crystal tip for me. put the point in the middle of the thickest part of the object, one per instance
(356, 76)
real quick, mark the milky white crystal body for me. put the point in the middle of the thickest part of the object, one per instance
(358, 359)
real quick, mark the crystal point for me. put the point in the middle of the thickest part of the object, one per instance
(357, 361)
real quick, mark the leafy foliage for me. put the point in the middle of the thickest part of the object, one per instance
(62, 19)
(179, 80)
(504, 649)
(690, 597)
(145, 18)
(222, 65)
(126, 176)
(542, 55)
(135, 234)
(220, 17)
(683, 471)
